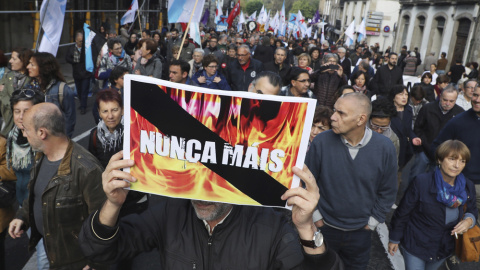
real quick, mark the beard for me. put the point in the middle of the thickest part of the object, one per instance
(210, 211)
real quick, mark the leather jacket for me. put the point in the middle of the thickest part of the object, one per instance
(70, 196)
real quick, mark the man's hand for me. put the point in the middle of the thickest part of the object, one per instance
(392, 248)
(14, 228)
(114, 187)
(417, 141)
(340, 70)
(304, 201)
(202, 79)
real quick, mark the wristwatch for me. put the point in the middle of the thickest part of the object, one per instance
(316, 242)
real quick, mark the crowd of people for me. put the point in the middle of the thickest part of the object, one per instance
(366, 128)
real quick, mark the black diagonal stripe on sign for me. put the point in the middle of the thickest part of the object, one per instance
(159, 109)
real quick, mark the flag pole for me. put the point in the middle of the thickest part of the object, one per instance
(41, 23)
(132, 23)
(186, 30)
(138, 12)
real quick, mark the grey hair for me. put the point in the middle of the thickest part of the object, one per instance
(341, 49)
(283, 49)
(362, 100)
(273, 78)
(244, 46)
(450, 89)
(330, 55)
(199, 50)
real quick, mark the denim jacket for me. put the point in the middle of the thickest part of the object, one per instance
(68, 106)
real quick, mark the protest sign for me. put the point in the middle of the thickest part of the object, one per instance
(224, 146)
(222, 24)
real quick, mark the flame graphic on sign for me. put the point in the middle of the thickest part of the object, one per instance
(239, 121)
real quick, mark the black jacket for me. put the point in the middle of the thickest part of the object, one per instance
(347, 66)
(430, 121)
(429, 91)
(78, 69)
(249, 238)
(385, 79)
(263, 53)
(238, 79)
(403, 128)
(284, 72)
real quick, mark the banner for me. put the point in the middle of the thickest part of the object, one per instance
(180, 10)
(224, 146)
(222, 24)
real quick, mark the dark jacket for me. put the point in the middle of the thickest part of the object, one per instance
(316, 64)
(78, 68)
(249, 238)
(238, 79)
(222, 85)
(284, 72)
(70, 196)
(385, 79)
(419, 221)
(430, 121)
(466, 128)
(263, 53)
(347, 66)
(216, 52)
(403, 129)
(326, 85)
(429, 91)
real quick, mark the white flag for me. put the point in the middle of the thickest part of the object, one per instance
(129, 16)
(350, 32)
(218, 13)
(242, 18)
(253, 17)
(195, 32)
(362, 31)
(261, 16)
(53, 14)
(180, 10)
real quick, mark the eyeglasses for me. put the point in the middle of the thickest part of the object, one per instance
(242, 55)
(303, 81)
(29, 93)
(238, 42)
(215, 67)
(376, 127)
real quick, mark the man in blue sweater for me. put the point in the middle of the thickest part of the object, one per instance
(466, 128)
(356, 171)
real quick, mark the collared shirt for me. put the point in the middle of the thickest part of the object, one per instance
(354, 149)
(207, 226)
(462, 102)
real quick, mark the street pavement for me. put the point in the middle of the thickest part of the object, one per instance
(17, 256)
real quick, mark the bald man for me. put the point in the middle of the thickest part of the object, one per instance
(65, 188)
(356, 171)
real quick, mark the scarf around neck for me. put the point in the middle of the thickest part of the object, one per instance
(359, 89)
(209, 80)
(117, 59)
(19, 156)
(110, 141)
(19, 80)
(451, 196)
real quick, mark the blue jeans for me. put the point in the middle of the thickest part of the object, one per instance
(353, 247)
(82, 86)
(440, 72)
(42, 260)
(23, 177)
(414, 263)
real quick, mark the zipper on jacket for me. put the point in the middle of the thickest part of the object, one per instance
(194, 265)
(209, 253)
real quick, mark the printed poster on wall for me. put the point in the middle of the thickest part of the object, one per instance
(213, 145)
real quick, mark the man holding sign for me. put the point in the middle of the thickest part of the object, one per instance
(191, 234)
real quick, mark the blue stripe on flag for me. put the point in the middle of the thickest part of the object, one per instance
(176, 10)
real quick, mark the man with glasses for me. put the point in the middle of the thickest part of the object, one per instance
(244, 70)
(464, 99)
(278, 65)
(115, 58)
(299, 84)
(382, 113)
(431, 119)
(344, 61)
(212, 48)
